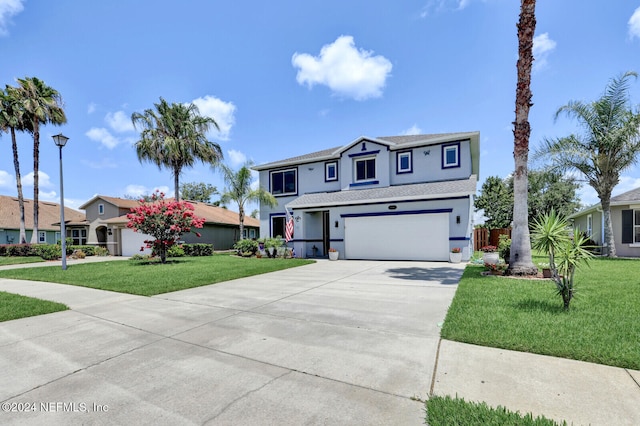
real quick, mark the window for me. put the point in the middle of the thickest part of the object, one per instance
(283, 182)
(450, 155)
(630, 226)
(252, 233)
(58, 238)
(100, 208)
(589, 225)
(365, 169)
(277, 226)
(42, 236)
(404, 163)
(79, 237)
(330, 171)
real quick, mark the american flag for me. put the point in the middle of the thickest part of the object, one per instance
(288, 231)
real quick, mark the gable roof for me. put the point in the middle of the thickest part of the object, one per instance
(393, 142)
(397, 193)
(48, 214)
(626, 198)
(212, 214)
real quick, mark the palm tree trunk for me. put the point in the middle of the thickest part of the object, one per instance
(521, 262)
(608, 227)
(16, 165)
(241, 220)
(176, 183)
(36, 189)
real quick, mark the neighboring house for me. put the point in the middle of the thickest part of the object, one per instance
(625, 219)
(48, 222)
(399, 197)
(107, 217)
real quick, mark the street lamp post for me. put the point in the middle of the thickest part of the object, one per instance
(61, 141)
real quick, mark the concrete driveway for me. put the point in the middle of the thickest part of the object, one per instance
(347, 342)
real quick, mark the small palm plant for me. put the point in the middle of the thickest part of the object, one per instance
(551, 235)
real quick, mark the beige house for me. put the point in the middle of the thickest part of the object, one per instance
(625, 219)
(107, 219)
(48, 222)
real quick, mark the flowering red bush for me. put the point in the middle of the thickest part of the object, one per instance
(164, 220)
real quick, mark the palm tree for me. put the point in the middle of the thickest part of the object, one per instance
(609, 145)
(239, 190)
(174, 136)
(10, 121)
(520, 262)
(41, 105)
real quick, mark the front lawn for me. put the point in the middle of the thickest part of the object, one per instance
(447, 411)
(148, 279)
(14, 306)
(601, 325)
(14, 260)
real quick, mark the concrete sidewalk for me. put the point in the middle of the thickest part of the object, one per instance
(343, 342)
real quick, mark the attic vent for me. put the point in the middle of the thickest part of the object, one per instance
(50, 204)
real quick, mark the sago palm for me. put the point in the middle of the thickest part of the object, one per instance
(608, 146)
(174, 136)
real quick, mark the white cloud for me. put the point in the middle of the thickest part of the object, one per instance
(413, 130)
(43, 182)
(236, 158)
(8, 9)
(221, 111)
(437, 6)
(6, 180)
(103, 136)
(346, 70)
(542, 47)
(627, 183)
(119, 122)
(138, 191)
(634, 24)
(92, 108)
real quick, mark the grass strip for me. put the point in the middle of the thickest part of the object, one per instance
(15, 306)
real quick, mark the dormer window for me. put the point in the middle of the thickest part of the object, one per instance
(365, 169)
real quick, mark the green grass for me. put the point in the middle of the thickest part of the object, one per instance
(14, 306)
(14, 260)
(447, 411)
(147, 279)
(600, 326)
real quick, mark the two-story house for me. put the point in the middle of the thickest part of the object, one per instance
(396, 198)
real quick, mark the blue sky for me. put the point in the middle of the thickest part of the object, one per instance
(285, 78)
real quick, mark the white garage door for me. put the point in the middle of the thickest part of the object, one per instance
(132, 241)
(398, 237)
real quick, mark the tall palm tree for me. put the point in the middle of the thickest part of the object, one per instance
(10, 121)
(239, 189)
(174, 136)
(608, 146)
(41, 105)
(521, 262)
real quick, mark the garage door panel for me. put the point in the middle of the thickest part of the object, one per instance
(398, 237)
(132, 241)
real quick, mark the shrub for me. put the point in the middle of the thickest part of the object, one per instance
(504, 247)
(100, 251)
(78, 254)
(198, 249)
(88, 250)
(20, 250)
(48, 251)
(246, 247)
(175, 251)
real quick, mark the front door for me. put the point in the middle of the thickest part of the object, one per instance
(326, 237)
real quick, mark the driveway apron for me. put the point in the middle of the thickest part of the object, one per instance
(346, 342)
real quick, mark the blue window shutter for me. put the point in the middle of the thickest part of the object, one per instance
(627, 226)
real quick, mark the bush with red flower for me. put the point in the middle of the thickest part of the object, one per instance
(164, 220)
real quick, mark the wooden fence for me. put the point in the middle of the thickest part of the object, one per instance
(485, 237)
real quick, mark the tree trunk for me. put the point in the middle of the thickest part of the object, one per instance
(608, 227)
(241, 220)
(36, 189)
(16, 165)
(176, 183)
(520, 262)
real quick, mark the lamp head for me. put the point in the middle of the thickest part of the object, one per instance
(60, 140)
